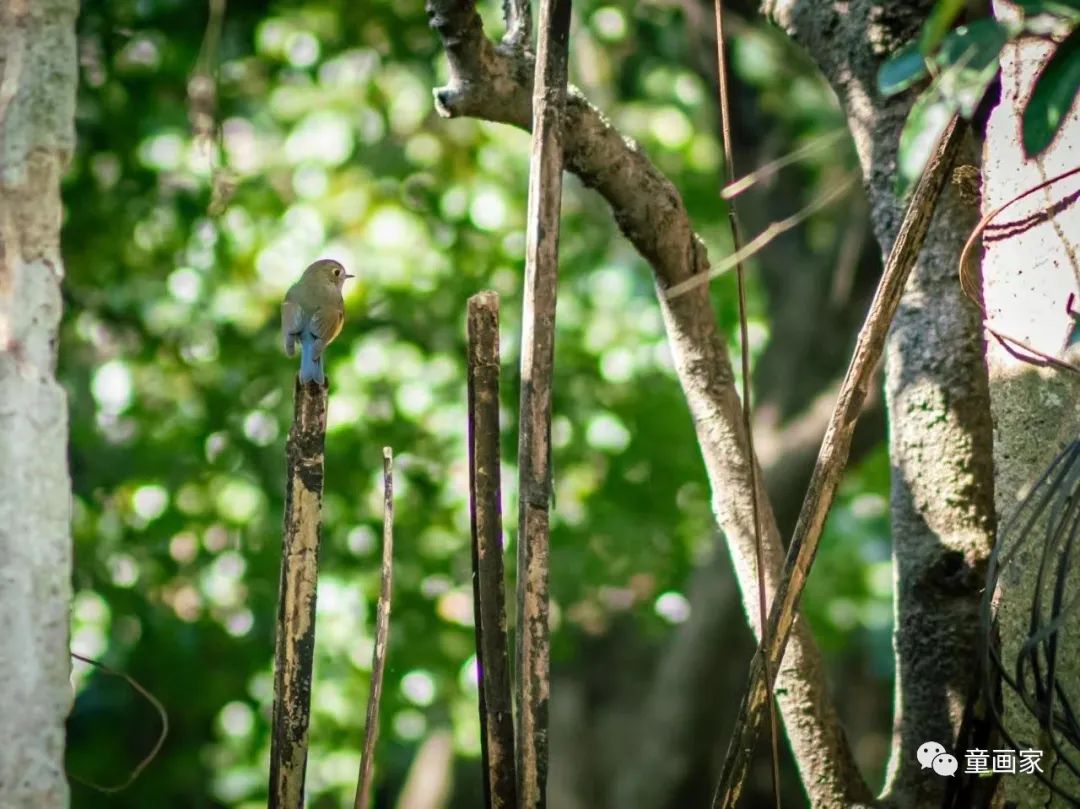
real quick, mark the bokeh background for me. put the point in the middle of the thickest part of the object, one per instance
(218, 154)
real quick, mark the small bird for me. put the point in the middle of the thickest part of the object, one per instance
(313, 313)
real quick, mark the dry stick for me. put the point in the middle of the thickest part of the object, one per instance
(831, 459)
(762, 240)
(772, 167)
(747, 405)
(382, 637)
(537, 360)
(294, 645)
(158, 744)
(518, 17)
(489, 600)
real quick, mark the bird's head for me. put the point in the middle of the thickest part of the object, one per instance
(327, 271)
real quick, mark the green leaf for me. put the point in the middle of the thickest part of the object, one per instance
(901, 70)
(929, 116)
(938, 24)
(1055, 90)
(1066, 8)
(969, 61)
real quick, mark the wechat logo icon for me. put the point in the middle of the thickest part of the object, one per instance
(933, 755)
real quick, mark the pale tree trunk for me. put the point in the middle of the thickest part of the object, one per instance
(38, 69)
(1029, 270)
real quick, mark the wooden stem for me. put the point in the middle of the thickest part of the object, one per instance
(294, 646)
(537, 360)
(489, 600)
(382, 638)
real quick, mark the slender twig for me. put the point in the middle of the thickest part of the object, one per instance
(382, 637)
(971, 288)
(150, 756)
(489, 600)
(766, 171)
(537, 361)
(832, 458)
(747, 404)
(294, 646)
(759, 242)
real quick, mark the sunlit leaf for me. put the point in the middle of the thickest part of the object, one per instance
(901, 70)
(925, 123)
(969, 61)
(1055, 90)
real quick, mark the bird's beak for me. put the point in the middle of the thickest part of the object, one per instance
(348, 275)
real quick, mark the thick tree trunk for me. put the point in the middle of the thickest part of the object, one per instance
(939, 426)
(1029, 270)
(37, 104)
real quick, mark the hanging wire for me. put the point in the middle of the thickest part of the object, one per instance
(1045, 527)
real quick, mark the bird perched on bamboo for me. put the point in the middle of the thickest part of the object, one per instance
(313, 313)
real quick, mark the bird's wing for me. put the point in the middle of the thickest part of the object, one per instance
(292, 322)
(326, 323)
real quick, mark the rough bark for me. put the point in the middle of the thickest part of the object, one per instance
(492, 82)
(294, 643)
(38, 70)
(940, 431)
(489, 585)
(1029, 269)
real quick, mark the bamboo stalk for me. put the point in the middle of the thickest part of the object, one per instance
(382, 638)
(537, 360)
(489, 600)
(294, 645)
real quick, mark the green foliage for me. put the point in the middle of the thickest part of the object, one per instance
(963, 62)
(178, 251)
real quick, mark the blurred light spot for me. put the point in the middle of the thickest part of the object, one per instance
(609, 23)
(185, 284)
(418, 686)
(342, 411)
(672, 607)
(186, 603)
(271, 35)
(150, 502)
(454, 203)
(323, 137)
(562, 432)
(869, 506)
(671, 127)
(704, 153)
(606, 432)
(423, 149)
(370, 126)
(361, 540)
(456, 607)
(415, 398)
(843, 612)
(238, 500)
(302, 49)
(488, 209)
(106, 169)
(88, 607)
(216, 443)
(216, 538)
(221, 581)
(469, 677)
(409, 725)
(688, 89)
(236, 719)
(310, 182)
(112, 386)
(435, 585)
(163, 152)
(190, 499)
(260, 428)
(241, 148)
(239, 623)
(350, 68)
(122, 570)
(184, 547)
(390, 227)
(617, 364)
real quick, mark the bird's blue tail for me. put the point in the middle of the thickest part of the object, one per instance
(311, 369)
